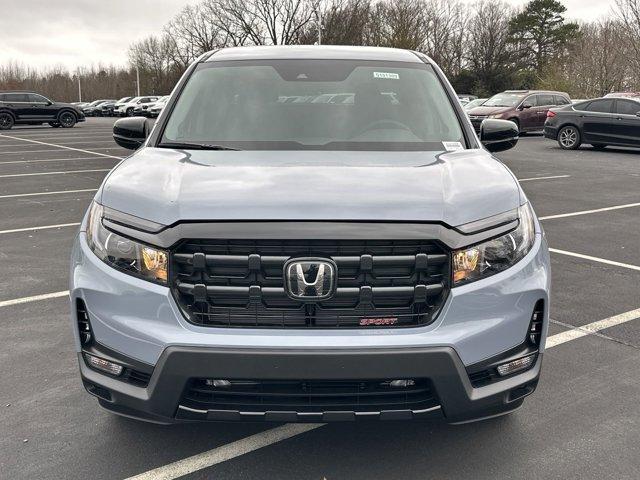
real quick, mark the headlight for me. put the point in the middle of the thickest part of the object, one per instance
(495, 115)
(496, 255)
(123, 253)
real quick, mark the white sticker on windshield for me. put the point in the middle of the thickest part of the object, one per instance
(393, 76)
(452, 146)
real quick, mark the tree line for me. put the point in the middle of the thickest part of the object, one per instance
(484, 47)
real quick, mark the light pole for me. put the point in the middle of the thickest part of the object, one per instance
(79, 86)
(137, 81)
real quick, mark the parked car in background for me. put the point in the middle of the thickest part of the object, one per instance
(94, 109)
(623, 95)
(142, 108)
(29, 108)
(126, 109)
(79, 104)
(474, 103)
(109, 107)
(600, 122)
(526, 108)
(465, 98)
(156, 108)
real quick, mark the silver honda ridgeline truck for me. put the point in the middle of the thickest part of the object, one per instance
(311, 234)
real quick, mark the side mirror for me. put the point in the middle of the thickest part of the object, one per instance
(638, 114)
(131, 132)
(525, 105)
(498, 135)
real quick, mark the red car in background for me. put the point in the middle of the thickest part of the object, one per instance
(526, 108)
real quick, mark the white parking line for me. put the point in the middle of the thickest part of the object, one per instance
(68, 143)
(54, 173)
(590, 328)
(44, 227)
(586, 212)
(36, 194)
(595, 259)
(275, 435)
(68, 148)
(45, 160)
(542, 178)
(59, 146)
(34, 298)
(227, 452)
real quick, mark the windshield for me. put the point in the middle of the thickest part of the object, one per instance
(125, 99)
(504, 100)
(314, 104)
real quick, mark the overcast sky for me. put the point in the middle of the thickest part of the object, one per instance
(43, 33)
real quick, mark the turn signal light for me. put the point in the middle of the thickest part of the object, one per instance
(103, 365)
(516, 365)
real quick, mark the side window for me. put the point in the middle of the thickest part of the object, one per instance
(601, 106)
(561, 100)
(545, 100)
(2, 97)
(17, 97)
(531, 100)
(35, 98)
(627, 107)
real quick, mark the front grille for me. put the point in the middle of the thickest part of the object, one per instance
(308, 396)
(239, 283)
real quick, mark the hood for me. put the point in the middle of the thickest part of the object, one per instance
(482, 110)
(167, 186)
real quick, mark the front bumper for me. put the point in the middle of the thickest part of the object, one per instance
(142, 322)
(551, 132)
(457, 400)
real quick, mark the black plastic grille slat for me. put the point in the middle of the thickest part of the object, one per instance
(239, 283)
(309, 396)
(136, 377)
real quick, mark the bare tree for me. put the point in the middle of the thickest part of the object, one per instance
(344, 22)
(445, 29)
(629, 12)
(260, 22)
(489, 54)
(193, 33)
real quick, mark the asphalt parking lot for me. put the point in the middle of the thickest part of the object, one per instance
(583, 421)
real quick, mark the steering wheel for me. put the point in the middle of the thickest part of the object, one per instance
(379, 123)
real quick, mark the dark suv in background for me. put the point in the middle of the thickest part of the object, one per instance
(599, 122)
(27, 108)
(526, 108)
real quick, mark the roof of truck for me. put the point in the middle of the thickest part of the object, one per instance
(313, 52)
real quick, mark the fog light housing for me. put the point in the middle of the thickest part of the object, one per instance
(516, 365)
(402, 383)
(218, 383)
(103, 365)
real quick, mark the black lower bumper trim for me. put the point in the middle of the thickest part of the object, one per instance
(457, 399)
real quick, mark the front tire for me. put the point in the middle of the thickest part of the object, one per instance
(67, 119)
(6, 121)
(569, 138)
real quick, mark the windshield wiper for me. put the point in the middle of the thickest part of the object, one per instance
(194, 146)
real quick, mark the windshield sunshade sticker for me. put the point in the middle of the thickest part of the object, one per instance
(387, 75)
(452, 146)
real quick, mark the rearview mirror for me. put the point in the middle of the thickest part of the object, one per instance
(498, 135)
(131, 132)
